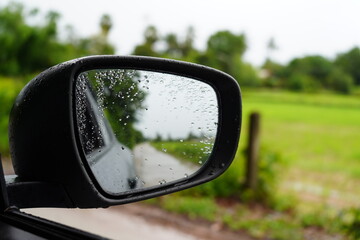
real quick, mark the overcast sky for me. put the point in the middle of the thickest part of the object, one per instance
(299, 27)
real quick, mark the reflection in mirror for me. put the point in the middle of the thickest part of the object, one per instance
(140, 129)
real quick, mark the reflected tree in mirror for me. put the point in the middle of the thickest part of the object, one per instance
(118, 96)
(143, 129)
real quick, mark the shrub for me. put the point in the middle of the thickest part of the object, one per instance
(302, 83)
(341, 82)
(192, 207)
(270, 163)
(9, 89)
(351, 222)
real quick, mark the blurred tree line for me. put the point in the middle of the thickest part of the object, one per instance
(31, 42)
(31, 48)
(224, 51)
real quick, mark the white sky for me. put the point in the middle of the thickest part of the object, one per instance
(299, 27)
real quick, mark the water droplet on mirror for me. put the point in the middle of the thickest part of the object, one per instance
(122, 148)
(200, 162)
(181, 140)
(164, 150)
(162, 182)
(186, 175)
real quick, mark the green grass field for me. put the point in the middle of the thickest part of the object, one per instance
(319, 138)
(314, 143)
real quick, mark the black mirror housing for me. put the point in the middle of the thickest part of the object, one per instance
(45, 144)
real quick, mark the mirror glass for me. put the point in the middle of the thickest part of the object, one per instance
(141, 129)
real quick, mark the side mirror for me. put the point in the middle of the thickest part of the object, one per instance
(108, 130)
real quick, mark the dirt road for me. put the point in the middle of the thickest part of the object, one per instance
(112, 223)
(135, 221)
(139, 221)
(156, 167)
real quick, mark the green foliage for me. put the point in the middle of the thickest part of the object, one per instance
(302, 83)
(191, 151)
(224, 51)
(312, 74)
(230, 184)
(274, 228)
(313, 140)
(349, 62)
(321, 218)
(308, 73)
(269, 166)
(248, 75)
(9, 89)
(30, 48)
(351, 222)
(25, 48)
(340, 81)
(193, 207)
(227, 185)
(120, 97)
(147, 48)
(273, 74)
(315, 66)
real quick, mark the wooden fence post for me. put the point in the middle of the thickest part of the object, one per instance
(252, 152)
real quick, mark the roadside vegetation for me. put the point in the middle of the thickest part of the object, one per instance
(310, 114)
(192, 151)
(309, 163)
